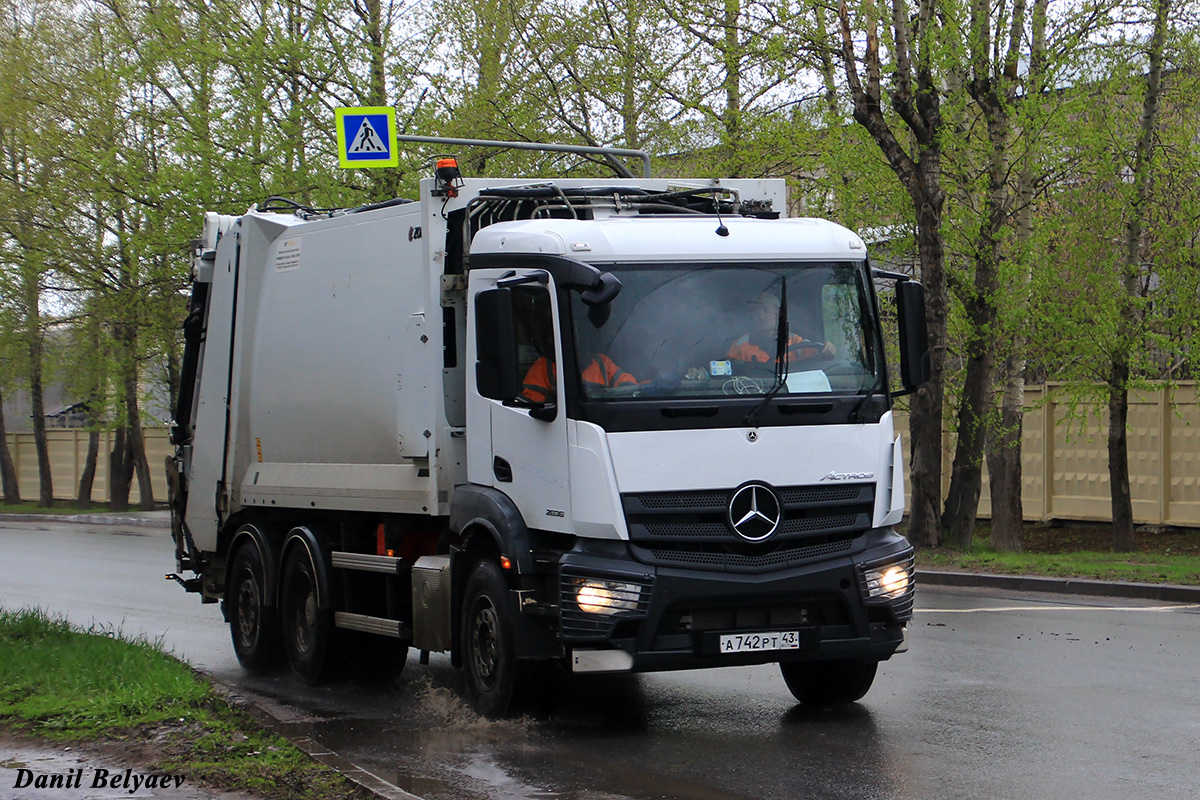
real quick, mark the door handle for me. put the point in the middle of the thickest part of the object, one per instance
(502, 470)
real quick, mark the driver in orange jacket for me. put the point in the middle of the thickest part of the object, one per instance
(760, 344)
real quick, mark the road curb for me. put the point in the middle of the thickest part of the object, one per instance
(1165, 592)
(368, 781)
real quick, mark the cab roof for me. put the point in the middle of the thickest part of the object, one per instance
(673, 238)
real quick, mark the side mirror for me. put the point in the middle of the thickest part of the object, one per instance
(495, 345)
(914, 335)
(603, 292)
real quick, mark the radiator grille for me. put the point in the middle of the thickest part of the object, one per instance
(724, 560)
(692, 528)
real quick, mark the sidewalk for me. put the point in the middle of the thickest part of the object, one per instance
(1161, 592)
(126, 519)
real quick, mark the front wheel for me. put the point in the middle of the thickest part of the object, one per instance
(829, 683)
(306, 626)
(487, 640)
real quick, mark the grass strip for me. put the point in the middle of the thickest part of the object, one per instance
(59, 508)
(1139, 567)
(64, 683)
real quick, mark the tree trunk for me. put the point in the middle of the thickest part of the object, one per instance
(33, 344)
(966, 472)
(386, 182)
(1118, 457)
(1004, 457)
(120, 472)
(1127, 325)
(993, 85)
(1004, 460)
(8, 470)
(966, 477)
(731, 79)
(137, 443)
(88, 477)
(45, 480)
(925, 414)
(916, 99)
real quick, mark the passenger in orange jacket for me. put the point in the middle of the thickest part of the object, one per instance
(602, 371)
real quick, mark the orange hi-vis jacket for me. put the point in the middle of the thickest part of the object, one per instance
(745, 350)
(602, 371)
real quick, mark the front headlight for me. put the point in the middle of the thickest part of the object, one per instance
(889, 581)
(606, 597)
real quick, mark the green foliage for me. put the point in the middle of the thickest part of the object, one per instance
(121, 121)
(1079, 303)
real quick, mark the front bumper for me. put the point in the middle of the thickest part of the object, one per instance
(679, 615)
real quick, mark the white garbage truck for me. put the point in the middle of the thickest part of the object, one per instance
(580, 425)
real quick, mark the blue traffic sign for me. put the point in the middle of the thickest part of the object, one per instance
(366, 137)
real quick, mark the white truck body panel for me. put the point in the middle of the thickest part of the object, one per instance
(379, 425)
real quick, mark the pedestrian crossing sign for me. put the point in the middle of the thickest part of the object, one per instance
(366, 137)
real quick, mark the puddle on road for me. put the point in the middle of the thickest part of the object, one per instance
(628, 737)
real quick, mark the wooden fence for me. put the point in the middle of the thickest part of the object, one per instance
(68, 455)
(1064, 465)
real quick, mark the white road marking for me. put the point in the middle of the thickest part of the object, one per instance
(1055, 608)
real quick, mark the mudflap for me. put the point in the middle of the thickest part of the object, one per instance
(533, 635)
(177, 502)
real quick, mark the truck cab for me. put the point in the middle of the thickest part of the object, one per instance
(722, 419)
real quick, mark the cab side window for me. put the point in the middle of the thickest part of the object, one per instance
(534, 328)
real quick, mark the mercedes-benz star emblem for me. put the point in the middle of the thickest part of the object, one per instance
(755, 512)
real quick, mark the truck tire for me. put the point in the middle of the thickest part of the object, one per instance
(253, 625)
(307, 627)
(829, 683)
(487, 640)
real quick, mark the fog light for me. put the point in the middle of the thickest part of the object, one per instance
(889, 582)
(607, 597)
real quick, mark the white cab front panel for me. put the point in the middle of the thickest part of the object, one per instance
(660, 461)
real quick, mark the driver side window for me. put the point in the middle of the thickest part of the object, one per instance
(533, 319)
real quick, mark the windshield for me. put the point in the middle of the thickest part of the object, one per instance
(715, 331)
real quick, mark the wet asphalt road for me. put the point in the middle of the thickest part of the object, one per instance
(1002, 695)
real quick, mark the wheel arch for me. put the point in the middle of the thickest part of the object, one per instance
(483, 511)
(252, 535)
(302, 538)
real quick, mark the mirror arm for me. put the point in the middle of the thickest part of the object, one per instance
(547, 412)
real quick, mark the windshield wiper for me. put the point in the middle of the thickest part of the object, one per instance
(864, 401)
(781, 369)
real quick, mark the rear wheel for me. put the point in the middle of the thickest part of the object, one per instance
(829, 683)
(306, 626)
(253, 625)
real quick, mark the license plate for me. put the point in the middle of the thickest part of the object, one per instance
(759, 642)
